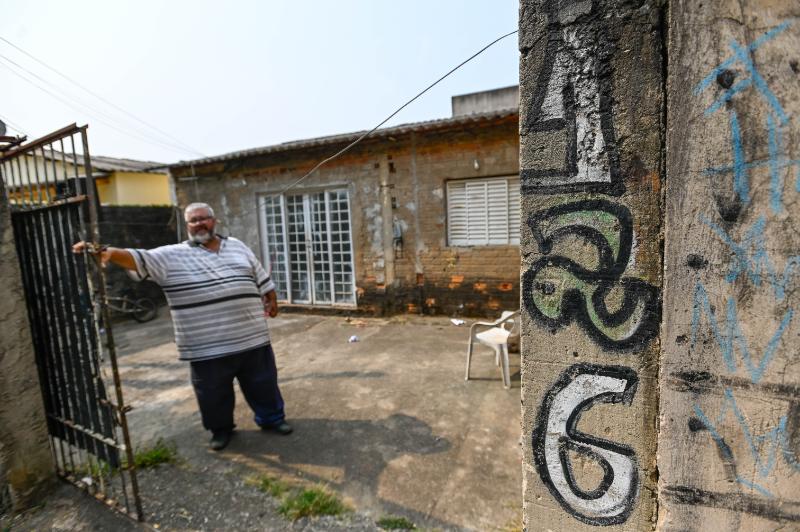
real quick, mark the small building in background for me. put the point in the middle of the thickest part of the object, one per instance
(421, 217)
(129, 182)
(119, 181)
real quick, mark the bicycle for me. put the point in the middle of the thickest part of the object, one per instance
(142, 309)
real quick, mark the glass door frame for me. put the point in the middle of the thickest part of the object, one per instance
(308, 224)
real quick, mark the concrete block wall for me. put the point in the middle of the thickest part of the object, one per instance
(430, 276)
(729, 446)
(26, 465)
(591, 132)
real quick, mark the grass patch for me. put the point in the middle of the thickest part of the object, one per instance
(160, 452)
(272, 485)
(311, 502)
(394, 522)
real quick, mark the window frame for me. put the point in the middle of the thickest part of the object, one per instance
(490, 240)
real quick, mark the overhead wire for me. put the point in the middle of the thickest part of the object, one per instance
(186, 147)
(82, 107)
(371, 131)
(12, 125)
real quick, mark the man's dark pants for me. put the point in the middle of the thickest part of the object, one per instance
(258, 378)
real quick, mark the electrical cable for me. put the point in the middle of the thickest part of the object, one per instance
(88, 108)
(186, 147)
(371, 131)
(77, 106)
(13, 126)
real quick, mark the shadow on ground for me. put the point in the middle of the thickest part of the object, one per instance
(388, 421)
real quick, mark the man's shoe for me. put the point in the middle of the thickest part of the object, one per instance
(220, 439)
(282, 428)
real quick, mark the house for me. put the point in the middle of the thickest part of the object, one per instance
(119, 181)
(421, 217)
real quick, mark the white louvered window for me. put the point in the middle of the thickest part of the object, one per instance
(483, 212)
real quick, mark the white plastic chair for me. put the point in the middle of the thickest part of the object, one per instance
(495, 336)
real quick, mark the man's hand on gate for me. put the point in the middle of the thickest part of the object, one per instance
(88, 247)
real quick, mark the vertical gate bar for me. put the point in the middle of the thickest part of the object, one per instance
(27, 200)
(86, 382)
(64, 167)
(45, 159)
(56, 356)
(19, 173)
(80, 185)
(55, 171)
(63, 254)
(42, 200)
(19, 222)
(19, 192)
(75, 328)
(79, 440)
(20, 188)
(89, 335)
(83, 411)
(34, 237)
(85, 326)
(93, 339)
(90, 185)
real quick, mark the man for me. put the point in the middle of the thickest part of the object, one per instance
(219, 296)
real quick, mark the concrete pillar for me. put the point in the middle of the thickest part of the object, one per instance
(729, 444)
(591, 126)
(26, 464)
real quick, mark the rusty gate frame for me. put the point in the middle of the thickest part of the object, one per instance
(28, 195)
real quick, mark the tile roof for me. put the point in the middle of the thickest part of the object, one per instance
(349, 137)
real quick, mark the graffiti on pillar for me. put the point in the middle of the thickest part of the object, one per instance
(556, 435)
(571, 105)
(731, 339)
(751, 258)
(754, 423)
(585, 247)
(778, 162)
(558, 289)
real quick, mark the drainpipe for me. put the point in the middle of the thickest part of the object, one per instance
(388, 221)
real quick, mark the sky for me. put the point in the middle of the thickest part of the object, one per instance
(222, 76)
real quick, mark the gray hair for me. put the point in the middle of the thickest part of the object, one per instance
(196, 206)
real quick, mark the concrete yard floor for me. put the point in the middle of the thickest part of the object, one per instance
(388, 422)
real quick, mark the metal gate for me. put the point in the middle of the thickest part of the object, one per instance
(54, 204)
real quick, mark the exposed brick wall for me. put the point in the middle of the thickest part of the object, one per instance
(431, 276)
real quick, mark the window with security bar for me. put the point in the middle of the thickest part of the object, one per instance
(307, 238)
(483, 212)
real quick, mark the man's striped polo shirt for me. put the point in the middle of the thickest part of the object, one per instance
(214, 297)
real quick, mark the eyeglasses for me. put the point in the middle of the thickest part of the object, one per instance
(199, 220)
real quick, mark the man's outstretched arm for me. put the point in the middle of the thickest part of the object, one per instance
(118, 256)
